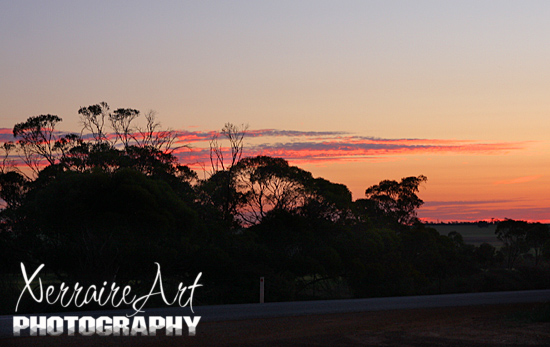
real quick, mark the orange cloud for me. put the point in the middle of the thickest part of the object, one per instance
(518, 180)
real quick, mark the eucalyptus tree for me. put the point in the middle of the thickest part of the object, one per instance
(513, 234)
(392, 202)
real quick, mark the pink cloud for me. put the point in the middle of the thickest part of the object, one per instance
(331, 146)
(364, 148)
(483, 210)
(6, 135)
(326, 146)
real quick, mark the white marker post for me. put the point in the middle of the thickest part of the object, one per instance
(261, 290)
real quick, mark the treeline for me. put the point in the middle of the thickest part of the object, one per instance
(106, 206)
(479, 224)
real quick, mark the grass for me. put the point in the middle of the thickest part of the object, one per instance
(538, 314)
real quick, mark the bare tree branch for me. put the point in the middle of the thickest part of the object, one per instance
(93, 119)
(235, 135)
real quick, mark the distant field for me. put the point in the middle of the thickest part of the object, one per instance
(472, 233)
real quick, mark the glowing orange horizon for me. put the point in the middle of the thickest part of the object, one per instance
(342, 158)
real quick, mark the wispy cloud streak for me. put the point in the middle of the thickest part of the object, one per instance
(315, 146)
(6, 135)
(519, 180)
(483, 210)
(335, 145)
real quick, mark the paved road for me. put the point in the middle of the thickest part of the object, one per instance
(280, 309)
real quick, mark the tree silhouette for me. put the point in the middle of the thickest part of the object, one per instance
(266, 184)
(109, 203)
(513, 233)
(235, 135)
(394, 201)
(93, 119)
(121, 122)
(97, 226)
(7, 162)
(219, 189)
(38, 141)
(537, 235)
(13, 187)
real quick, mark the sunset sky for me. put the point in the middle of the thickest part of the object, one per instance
(353, 91)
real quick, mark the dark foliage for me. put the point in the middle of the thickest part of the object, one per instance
(108, 207)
